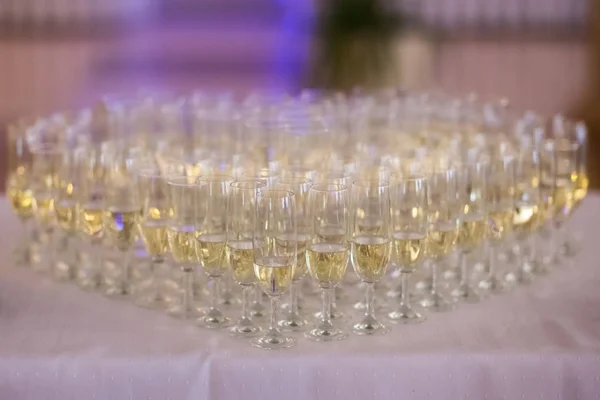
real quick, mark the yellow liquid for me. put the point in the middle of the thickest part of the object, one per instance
(43, 210)
(285, 244)
(66, 215)
(327, 263)
(441, 239)
(211, 251)
(525, 217)
(241, 260)
(563, 199)
(121, 226)
(91, 220)
(21, 201)
(154, 236)
(410, 249)
(581, 188)
(182, 242)
(370, 256)
(500, 223)
(274, 274)
(471, 233)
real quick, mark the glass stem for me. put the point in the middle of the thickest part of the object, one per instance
(404, 296)
(294, 298)
(157, 262)
(370, 299)
(246, 292)
(126, 269)
(274, 308)
(434, 277)
(326, 306)
(557, 242)
(214, 293)
(531, 254)
(464, 269)
(492, 260)
(258, 295)
(188, 288)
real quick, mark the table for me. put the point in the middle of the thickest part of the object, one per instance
(537, 342)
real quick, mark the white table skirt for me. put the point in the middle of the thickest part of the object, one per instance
(536, 342)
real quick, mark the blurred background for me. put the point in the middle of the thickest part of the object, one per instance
(61, 54)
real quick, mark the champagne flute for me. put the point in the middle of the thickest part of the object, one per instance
(274, 265)
(409, 223)
(19, 191)
(121, 216)
(182, 237)
(579, 133)
(242, 207)
(527, 213)
(501, 205)
(269, 177)
(336, 177)
(300, 186)
(328, 251)
(153, 230)
(444, 221)
(66, 207)
(473, 225)
(371, 244)
(46, 162)
(565, 154)
(91, 225)
(211, 226)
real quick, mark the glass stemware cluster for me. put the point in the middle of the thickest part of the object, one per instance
(196, 204)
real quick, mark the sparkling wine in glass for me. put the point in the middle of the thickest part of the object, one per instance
(328, 251)
(409, 225)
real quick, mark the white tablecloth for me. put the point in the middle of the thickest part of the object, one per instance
(537, 342)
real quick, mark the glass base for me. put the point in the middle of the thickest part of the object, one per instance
(467, 293)
(152, 301)
(89, 283)
(293, 323)
(258, 310)
(244, 328)
(21, 256)
(370, 326)
(362, 306)
(178, 311)
(568, 249)
(228, 299)
(394, 293)
(214, 319)
(118, 292)
(436, 301)
(494, 284)
(63, 272)
(273, 342)
(325, 335)
(405, 314)
(335, 313)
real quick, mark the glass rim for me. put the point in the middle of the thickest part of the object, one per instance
(215, 178)
(380, 183)
(149, 172)
(182, 180)
(275, 194)
(46, 149)
(410, 178)
(244, 184)
(328, 187)
(294, 180)
(561, 144)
